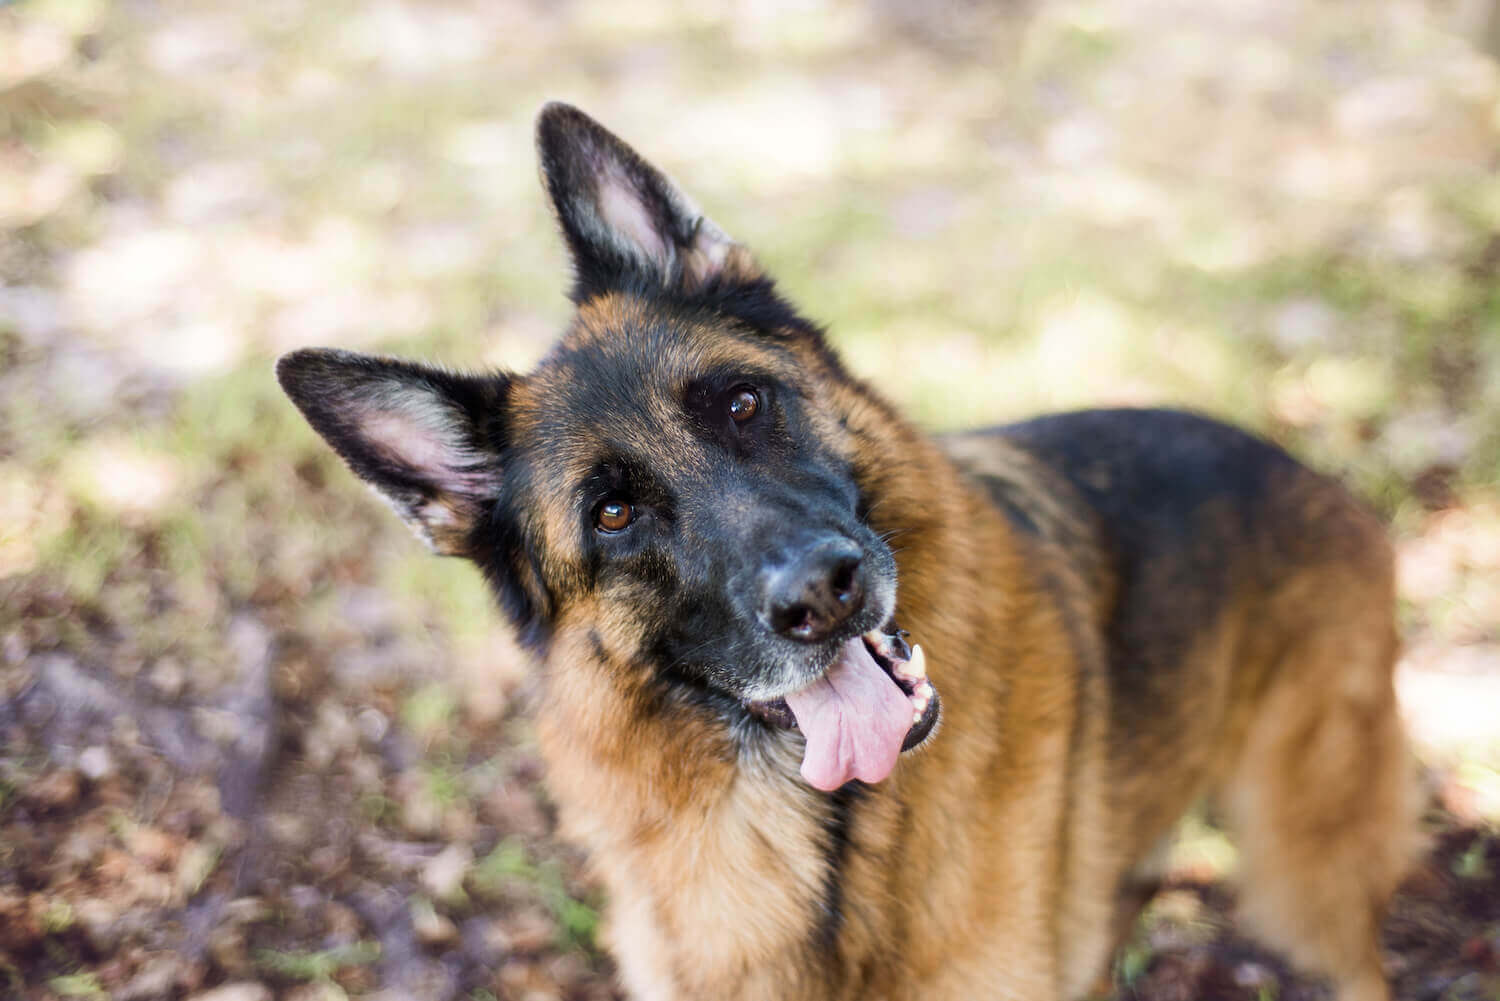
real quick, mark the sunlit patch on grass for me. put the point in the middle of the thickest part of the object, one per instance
(88, 551)
(1108, 196)
(29, 192)
(1219, 245)
(87, 145)
(1480, 775)
(1472, 863)
(31, 514)
(490, 145)
(1088, 349)
(1172, 919)
(509, 864)
(120, 476)
(408, 41)
(1332, 388)
(321, 964)
(217, 191)
(452, 593)
(329, 255)
(444, 781)
(70, 18)
(1200, 852)
(130, 276)
(1133, 959)
(30, 49)
(429, 712)
(198, 43)
(58, 917)
(486, 665)
(78, 985)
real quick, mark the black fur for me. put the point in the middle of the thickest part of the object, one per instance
(574, 151)
(577, 153)
(836, 849)
(1173, 497)
(1137, 530)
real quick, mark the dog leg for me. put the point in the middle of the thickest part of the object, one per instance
(1323, 796)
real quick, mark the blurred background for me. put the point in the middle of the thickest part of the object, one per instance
(255, 743)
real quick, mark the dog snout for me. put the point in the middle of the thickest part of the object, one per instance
(814, 593)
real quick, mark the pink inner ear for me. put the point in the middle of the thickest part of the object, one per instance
(422, 435)
(409, 441)
(623, 211)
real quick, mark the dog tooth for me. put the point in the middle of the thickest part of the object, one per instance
(917, 666)
(916, 717)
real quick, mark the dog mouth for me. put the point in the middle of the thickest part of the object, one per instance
(873, 703)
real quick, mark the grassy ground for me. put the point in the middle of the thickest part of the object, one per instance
(250, 733)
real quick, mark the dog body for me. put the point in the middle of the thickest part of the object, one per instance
(706, 529)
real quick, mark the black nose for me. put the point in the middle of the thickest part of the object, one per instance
(816, 592)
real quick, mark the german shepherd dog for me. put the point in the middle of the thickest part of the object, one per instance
(842, 711)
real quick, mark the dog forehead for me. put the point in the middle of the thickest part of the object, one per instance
(634, 367)
(616, 381)
(627, 358)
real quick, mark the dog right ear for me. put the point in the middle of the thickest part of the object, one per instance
(427, 440)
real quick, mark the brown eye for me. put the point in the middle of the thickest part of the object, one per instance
(743, 404)
(614, 516)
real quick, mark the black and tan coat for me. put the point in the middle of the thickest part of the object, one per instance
(692, 513)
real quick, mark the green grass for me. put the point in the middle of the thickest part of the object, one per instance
(1133, 960)
(1473, 863)
(445, 780)
(78, 985)
(316, 965)
(58, 917)
(508, 864)
(430, 712)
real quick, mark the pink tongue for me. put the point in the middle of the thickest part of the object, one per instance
(854, 718)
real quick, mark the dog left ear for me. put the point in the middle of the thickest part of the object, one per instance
(626, 223)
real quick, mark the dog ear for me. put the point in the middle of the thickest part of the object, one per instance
(626, 223)
(427, 440)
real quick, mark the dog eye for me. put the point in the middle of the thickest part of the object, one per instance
(614, 516)
(744, 403)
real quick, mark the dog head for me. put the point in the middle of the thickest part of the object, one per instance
(683, 479)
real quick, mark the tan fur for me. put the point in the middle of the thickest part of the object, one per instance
(988, 865)
(1124, 614)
